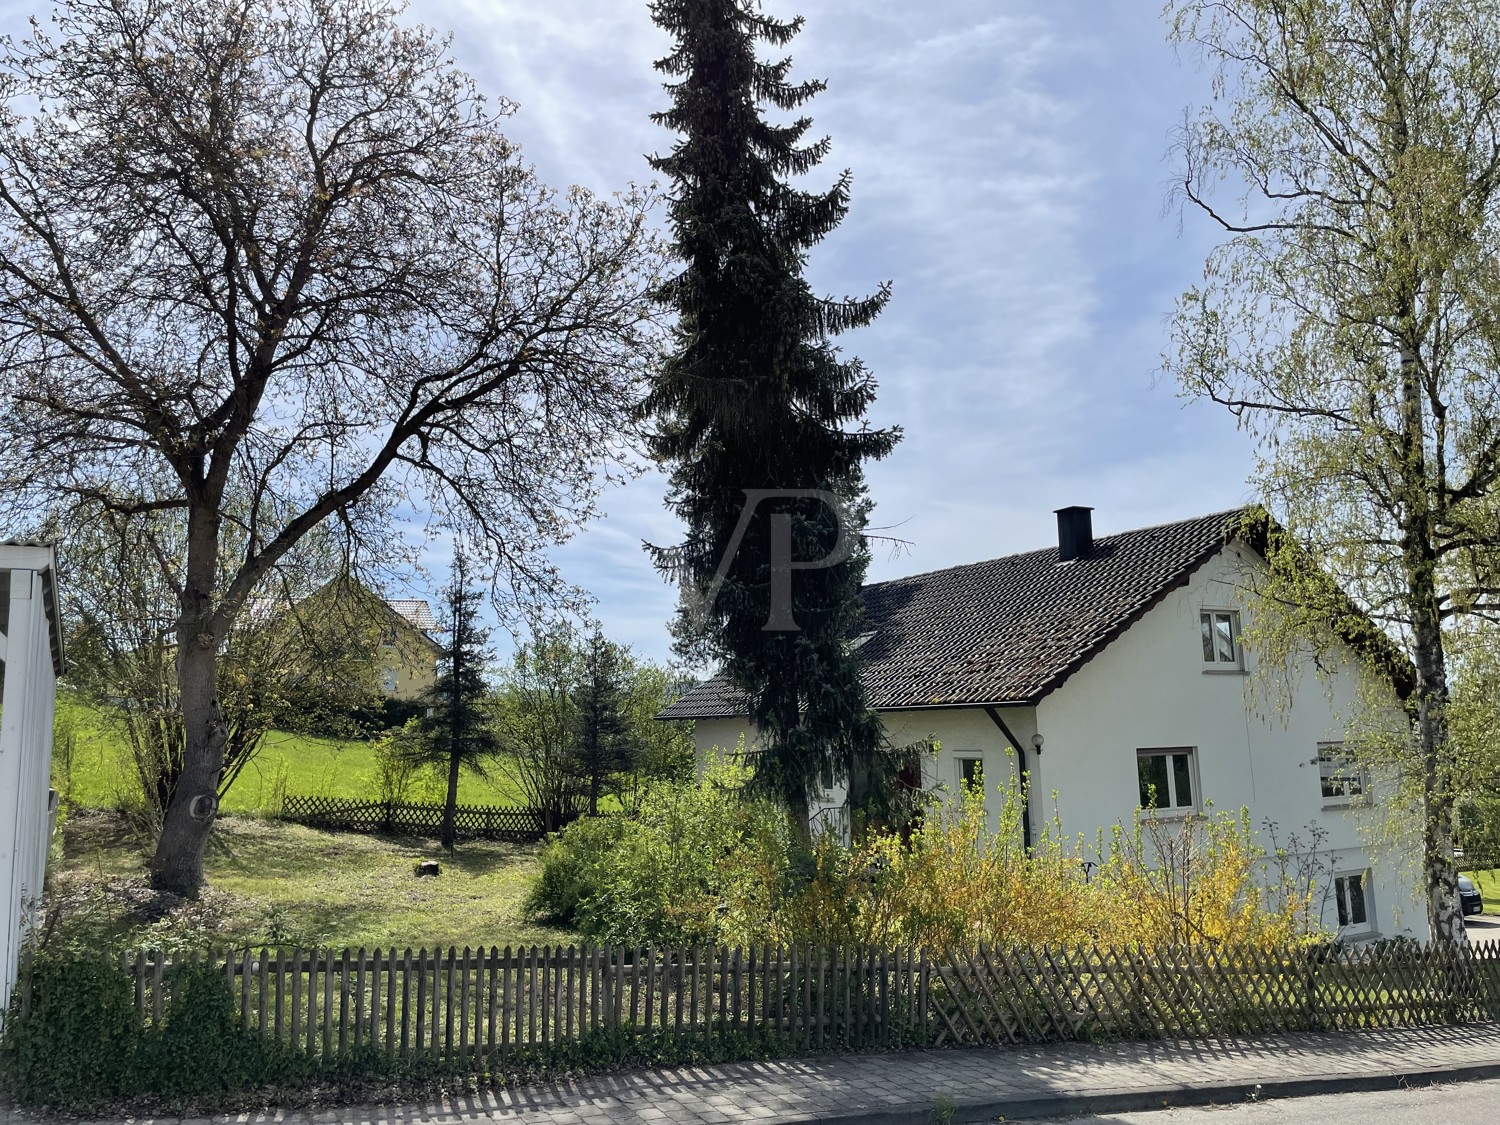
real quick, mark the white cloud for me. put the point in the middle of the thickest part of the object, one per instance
(1008, 177)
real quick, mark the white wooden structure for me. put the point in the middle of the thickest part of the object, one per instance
(30, 662)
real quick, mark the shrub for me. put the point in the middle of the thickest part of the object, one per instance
(699, 861)
(572, 868)
(76, 1047)
(200, 1051)
(703, 864)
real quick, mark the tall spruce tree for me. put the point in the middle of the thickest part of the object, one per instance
(455, 733)
(756, 396)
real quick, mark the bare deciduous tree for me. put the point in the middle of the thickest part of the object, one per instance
(279, 250)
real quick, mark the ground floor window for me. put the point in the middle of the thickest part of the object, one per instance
(1166, 778)
(970, 772)
(1351, 893)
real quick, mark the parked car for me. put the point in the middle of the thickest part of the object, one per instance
(1469, 900)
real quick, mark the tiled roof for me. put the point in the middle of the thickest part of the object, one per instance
(416, 611)
(1010, 630)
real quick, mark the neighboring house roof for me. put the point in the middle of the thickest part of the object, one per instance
(1009, 630)
(416, 611)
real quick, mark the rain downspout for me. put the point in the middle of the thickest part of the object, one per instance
(1021, 770)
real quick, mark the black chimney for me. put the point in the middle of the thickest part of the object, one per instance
(1075, 532)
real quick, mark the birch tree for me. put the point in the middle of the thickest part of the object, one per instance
(1351, 157)
(280, 250)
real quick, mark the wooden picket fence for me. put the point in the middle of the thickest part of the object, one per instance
(484, 822)
(470, 1003)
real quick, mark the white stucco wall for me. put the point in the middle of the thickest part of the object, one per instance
(1149, 689)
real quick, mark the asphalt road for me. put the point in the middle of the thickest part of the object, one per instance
(1429, 1105)
(1483, 927)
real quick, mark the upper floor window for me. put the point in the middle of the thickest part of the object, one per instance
(1342, 780)
(1221, 637)
(388, 635)
(1166, 779)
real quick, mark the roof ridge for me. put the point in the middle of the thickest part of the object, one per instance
(1227, 512)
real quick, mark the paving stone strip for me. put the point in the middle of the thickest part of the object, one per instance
(918, 1087)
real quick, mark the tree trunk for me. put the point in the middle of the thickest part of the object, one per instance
(1419, 559)
(177, 865)
(801, 814)
(861, 823)
(1440, 876)
(451, 804)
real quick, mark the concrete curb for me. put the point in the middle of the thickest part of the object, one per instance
(1136, 1099)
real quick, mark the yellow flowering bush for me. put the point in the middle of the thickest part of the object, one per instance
(702, 864)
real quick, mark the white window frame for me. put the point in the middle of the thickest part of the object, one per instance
(390, 680)
(1334, 762)
(1217, 663)
(1172, 808)
(1343, 905)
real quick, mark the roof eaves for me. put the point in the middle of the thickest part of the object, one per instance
(1180, 579)
(40, 555)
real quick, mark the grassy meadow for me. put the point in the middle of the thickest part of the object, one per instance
(270, 883)
(101, 774)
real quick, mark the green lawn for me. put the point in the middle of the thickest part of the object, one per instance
(102, 775)
(282, 884)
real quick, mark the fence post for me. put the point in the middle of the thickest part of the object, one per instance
(924, 971)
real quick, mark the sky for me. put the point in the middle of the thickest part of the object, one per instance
(1011, 166)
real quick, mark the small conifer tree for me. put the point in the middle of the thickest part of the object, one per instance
(455, 733)
(605, 746)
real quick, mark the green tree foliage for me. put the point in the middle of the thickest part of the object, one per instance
(299, 659)
(1348, 322)
(456, 730)
(532, 714)
(756, 396)
(1474, 726)
(605, 746)
(571, 711)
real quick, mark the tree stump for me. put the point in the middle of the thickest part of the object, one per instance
(429, 867)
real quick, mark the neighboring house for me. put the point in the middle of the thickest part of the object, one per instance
(407, 657)
(31, 659)
(357, 634)
(1111, 669)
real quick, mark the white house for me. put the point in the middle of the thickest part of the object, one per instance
(1111, 670)
(30, 662)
